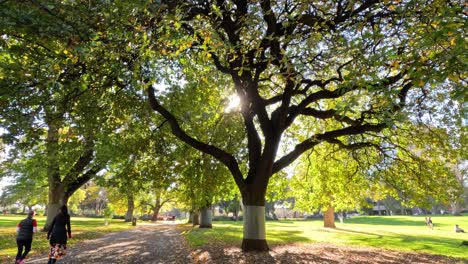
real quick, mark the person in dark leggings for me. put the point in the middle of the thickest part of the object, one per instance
(58, 235)
(25, 230)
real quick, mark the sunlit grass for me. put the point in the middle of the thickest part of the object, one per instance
(406, 233)
(82, 229)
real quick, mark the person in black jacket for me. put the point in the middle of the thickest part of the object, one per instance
(25, 230)
(58, 235)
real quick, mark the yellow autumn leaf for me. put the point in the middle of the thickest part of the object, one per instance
(454, 78)
(452, 42)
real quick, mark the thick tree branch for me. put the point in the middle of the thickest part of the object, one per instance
(253, 140)
(322, 24)
(313, 97)
(331, 113)
(76, 183)
(83, 161)
(224, 157)
(329, 136)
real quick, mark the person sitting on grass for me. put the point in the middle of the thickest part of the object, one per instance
(458, 229)
(429, 223)
(25, 230)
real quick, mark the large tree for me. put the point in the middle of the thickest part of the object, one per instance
(351, 67)
(62, 78)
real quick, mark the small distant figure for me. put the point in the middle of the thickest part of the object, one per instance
(25, 230)
(429, 223)
(458, 229)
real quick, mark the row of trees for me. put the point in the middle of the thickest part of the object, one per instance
(346, 98)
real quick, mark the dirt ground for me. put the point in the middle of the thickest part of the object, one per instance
(148, 243)
(162, 243)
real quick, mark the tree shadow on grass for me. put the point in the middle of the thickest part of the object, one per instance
(233, 255)
(358, 232)
(394, 221)
(312, 253)
(275, 236)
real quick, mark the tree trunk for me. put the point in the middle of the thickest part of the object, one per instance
(236, 214)
(206, 217)
(57, 198)
(456, 208)
(56, 191)
(190, 218)
(196, 218)
(458, 202)
(155, 213)
(329, 217)
(156, 208)
(254, 238)
(130, 208)
(96, 208)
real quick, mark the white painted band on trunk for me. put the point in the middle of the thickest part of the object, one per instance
(254, 222)
(205, 216)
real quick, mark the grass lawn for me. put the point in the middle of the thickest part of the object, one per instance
(405, 233)
(82, 229)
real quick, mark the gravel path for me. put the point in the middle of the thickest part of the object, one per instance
(147, 243)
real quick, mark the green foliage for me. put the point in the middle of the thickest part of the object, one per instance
(330, 177)
(29, 174)
(67, 86)
(108, 211)
(72, 75)
(347, 76)
(76, 199)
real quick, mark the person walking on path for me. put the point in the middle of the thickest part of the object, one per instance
(57, 234)
(25, 230)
